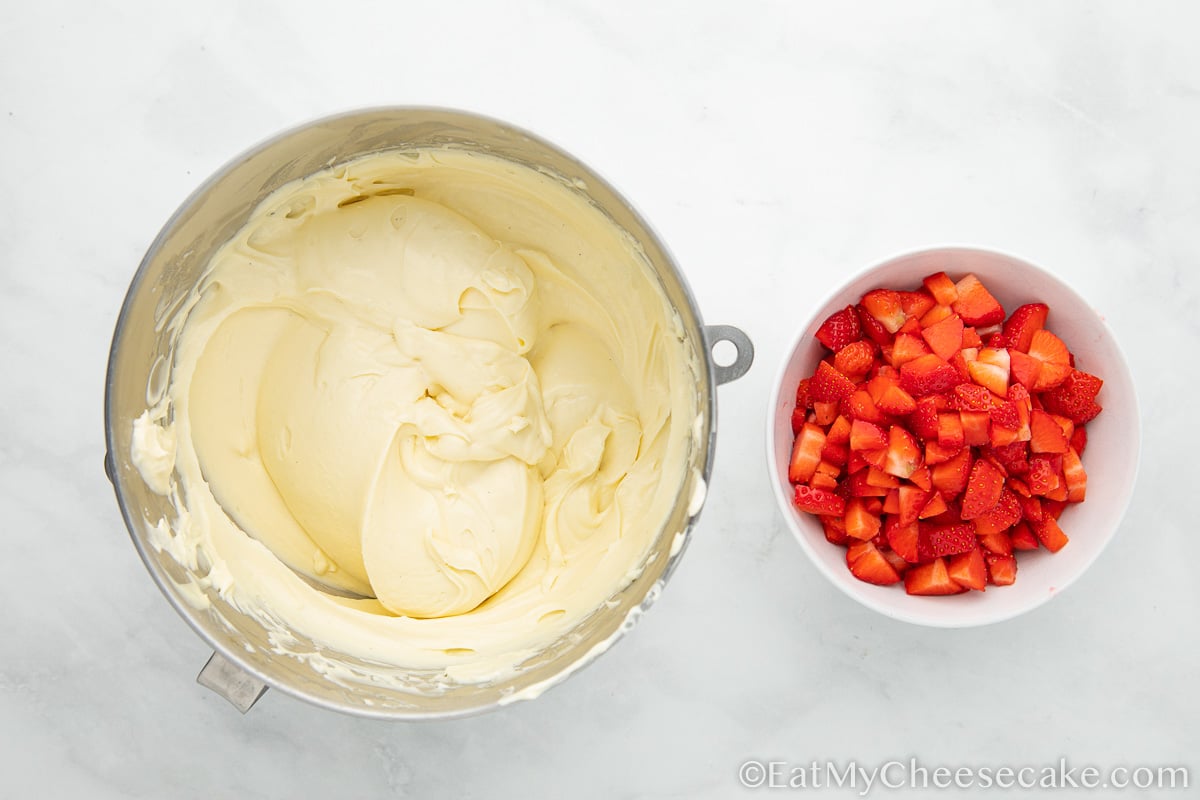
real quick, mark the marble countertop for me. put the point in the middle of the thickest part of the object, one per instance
(777, 148)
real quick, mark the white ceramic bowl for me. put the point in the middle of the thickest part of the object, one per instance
(1111, 457)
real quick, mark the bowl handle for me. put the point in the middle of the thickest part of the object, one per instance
(724, 373)
(225, 678)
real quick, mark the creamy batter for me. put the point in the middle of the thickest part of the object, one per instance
(427, 409)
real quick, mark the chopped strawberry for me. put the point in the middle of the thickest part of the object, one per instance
(972, 397)
(903, 454)
(942, 288)
(999, 543)
(1051, 536)
(950, 430)
(990, 370)
(802, 398)
(1025, 368)
(840, 329)
(1031, 507)
(872, 328)
(1079, 439)
(937, 454)
(835, 529)
(806, 453)
(895, 559)
(975, 303)
(867, 436)
(930, 579)
(868, 564)
(921, 478)
(895, 401)
(902, 538)
(950, 478)
(876, 458)
(1043, 476)
(935, 506)
(1004, 415)
(1006, 513)
(824, 413)
(935, 315)
(924, 419)
(1047, 434)
(836, 453)
(828, 385)
(819, 501)
(944, 540)
(975, 427)
(799, 417)
(859, 405)
(1002, 570)
(855, 359)
(1075, 398)
(1075, 476)
(1014, 457)
(823, 480)
(877, 477)
(945, 338)
(907, 347)
(983, 489)
(1022, 537)
(928, 375)
(1054, 358)
(911, 325)
(1022, 324)
(860, 522)
(859, 485)
(1053, 508)
(911, 501)
(884, 306)
(968, 569)
(971, 338)
(915, 304)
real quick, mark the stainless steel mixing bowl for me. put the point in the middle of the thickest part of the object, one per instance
(243, 663)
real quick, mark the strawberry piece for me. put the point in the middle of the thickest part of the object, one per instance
(861, 523)
(926, 375)
(903, 454)
(924, 420)
(1031, 507)
(859, 405)
(840, 329)
(1075, 476)
(802, 398)
(835, 529)
(984, 486)
(859, 485)
(936, 454)
(915, 304)
(934, 541)
(1047, 434)
(855, 359)
(950, 430)
(868, 564)
(1006, 514)
(825, 481)
(935, 506)
(1075, 398)
(1079, 439)
(1004, 415)
(839, 431)
(1043, 476)
(877, 477)
(968, 569)
(902, 539)
(884, 306)
(1013, 457)
(799, 417)
(1025, 368)
(1022, 537)
(935, 315)
(867, 436)
(972, 397)
(872, 328)
(971, 338)
(1051, 536)
(942, 288)
(876, 458)
(930, 579)
(990, 370)
(975, 427)
(975, 303)
(945, 338)
(911, 500)
(905, 348)
(895, 559)
(950, 478)
(1053, 508)
(806, 453)
(999, 543)
(819, 501)
(828, 385)
(921, 478)
(1022, 324)
(896, 401)
(1055, 360)
(835, 453)
(1002, 570)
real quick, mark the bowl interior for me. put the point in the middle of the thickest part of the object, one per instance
(1110, 459)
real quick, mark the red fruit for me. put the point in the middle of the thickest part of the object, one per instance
(1054, 358)
(802, 398)
(942, 288)
(799, 417)
(859, 485)
(1047, 434)
(861, 523)
(906, 347)
(867, 436)
(1013, 457)
(868, 564)
(1022, 537)
(1075, 476)
(1025, 368)
(806, 453)
(903, 454)
(840, 329)
(1004, 415)
(824, 480)
(950, 478)
(1051, 536)
(915, 304)
(911, 500)
(896, 401)
(935, 315)
(926, 375)
(971, 338)
(968, 570)
(983, 489)
(924, 420)
(1022, 324)
(824, 412)
(1006, 514)
(972, 397)
(975, 427)
(1002, 570)
(876, 458)
(902, 538)
(895, 559)
(921, 478)
(930, 579)
(1043, 475)
(872, 328)
(950, 430)
(884, 305)
(819, 501)
(935, 506)
(1079, 439)
(828, 385)
(999, 543)
(836, 453)
(835, 529)
(877, 477)
(944, 540)
(859, 405)
(975, 303)
(945, 338)
(855, 359)
(839, 431)
(1075, 398)
(990, 369)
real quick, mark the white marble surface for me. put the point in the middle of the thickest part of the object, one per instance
(776, 147)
